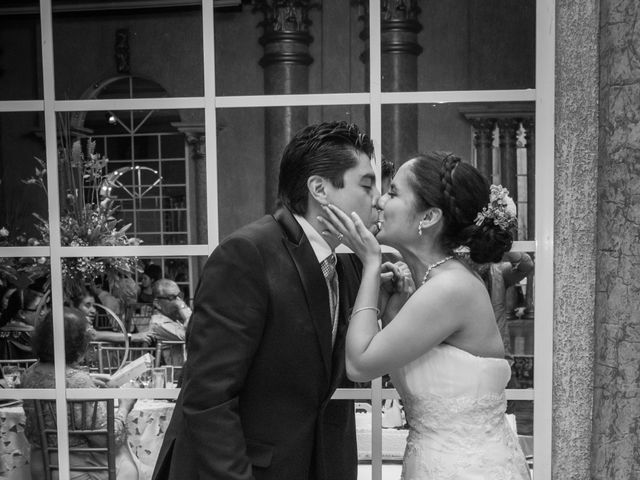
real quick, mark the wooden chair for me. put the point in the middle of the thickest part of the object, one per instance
(22, 363)
(172, 345)
(83, 422)
(111, 358)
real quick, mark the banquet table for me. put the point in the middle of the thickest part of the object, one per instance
(146, 425)
(14, 447)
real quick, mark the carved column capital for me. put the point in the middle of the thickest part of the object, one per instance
(285, 24)
(508, 129)
(195, 138)
(483, 131)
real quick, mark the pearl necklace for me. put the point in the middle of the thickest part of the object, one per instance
(434, 265)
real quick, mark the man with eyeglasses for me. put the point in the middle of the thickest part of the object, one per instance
(170, 318)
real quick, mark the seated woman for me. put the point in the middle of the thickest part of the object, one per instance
(41, 375)
(86, 303)
(25, 309)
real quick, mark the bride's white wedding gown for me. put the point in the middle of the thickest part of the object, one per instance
(455, 406)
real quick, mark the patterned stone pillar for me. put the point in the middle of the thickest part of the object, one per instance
(530, 137)
(508, 158)
(616, 406)
(286, 59)
(400, 50)
(483, 143)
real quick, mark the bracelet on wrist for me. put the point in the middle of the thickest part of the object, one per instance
(362, 309)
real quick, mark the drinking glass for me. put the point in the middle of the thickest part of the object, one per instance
(158, 377)
(170, 383)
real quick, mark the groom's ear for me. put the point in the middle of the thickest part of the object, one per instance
(316, 186)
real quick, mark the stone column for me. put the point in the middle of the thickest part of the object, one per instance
(616, 403)
(286, 59)
(483, 143)
(197, 180)
(530, 138)
(508, 157)
(399, 50)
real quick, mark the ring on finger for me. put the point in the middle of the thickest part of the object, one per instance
(339, 236)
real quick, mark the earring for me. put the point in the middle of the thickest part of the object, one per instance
(420, 228)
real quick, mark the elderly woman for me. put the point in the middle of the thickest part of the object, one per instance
(41, 375)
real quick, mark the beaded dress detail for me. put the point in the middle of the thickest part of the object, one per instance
(455, 405)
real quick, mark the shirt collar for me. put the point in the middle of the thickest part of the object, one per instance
(319, 245)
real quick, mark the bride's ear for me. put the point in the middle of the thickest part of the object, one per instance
(316, 186)
(431, 217)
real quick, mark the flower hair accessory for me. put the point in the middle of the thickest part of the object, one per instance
(501, 209)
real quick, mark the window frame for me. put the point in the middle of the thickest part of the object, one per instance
(543, 245)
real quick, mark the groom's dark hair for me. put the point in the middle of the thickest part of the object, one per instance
(326, 149)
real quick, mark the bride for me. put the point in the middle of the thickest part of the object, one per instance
(440, 343)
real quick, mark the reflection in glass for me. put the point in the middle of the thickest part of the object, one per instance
(498, 138)
(145, 170)
(20, 37)
(478, 56)
(291, 48)
(97, 49)
(132, 316)
(25, 297)
(22, 180)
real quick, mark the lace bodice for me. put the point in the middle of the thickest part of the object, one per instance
(455, 405)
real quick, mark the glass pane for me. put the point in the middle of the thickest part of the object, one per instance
(21, 71)
(23, 192)
(21, 440)
(478, 56)
(97, 48)
(248, 183)
(291, 47)
(498, 138)
(117, 303)
(162, 199)
(522, 410)
(25, 324)
(520, 317)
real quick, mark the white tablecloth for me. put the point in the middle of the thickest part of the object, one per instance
(15, 450)
(146, 425)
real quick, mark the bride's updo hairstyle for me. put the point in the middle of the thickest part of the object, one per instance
(441, 180)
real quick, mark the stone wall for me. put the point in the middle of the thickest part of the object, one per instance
(617, 333)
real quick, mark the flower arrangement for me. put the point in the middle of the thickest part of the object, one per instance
(21, 271)
(501, 209)
(88, 214)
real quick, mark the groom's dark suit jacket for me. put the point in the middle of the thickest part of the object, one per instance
(260, 366)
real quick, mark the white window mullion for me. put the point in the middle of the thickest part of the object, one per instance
(375, 127)
(544, 221)
(211, 141)
(48, 78)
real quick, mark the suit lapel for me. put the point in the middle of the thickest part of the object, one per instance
(312, 280)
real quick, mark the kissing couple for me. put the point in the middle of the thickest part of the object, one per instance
(280, 321)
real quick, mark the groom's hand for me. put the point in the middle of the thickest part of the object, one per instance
(396, 286)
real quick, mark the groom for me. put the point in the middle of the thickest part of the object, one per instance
(266, 340)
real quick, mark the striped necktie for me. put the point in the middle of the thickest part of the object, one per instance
(328, 266)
